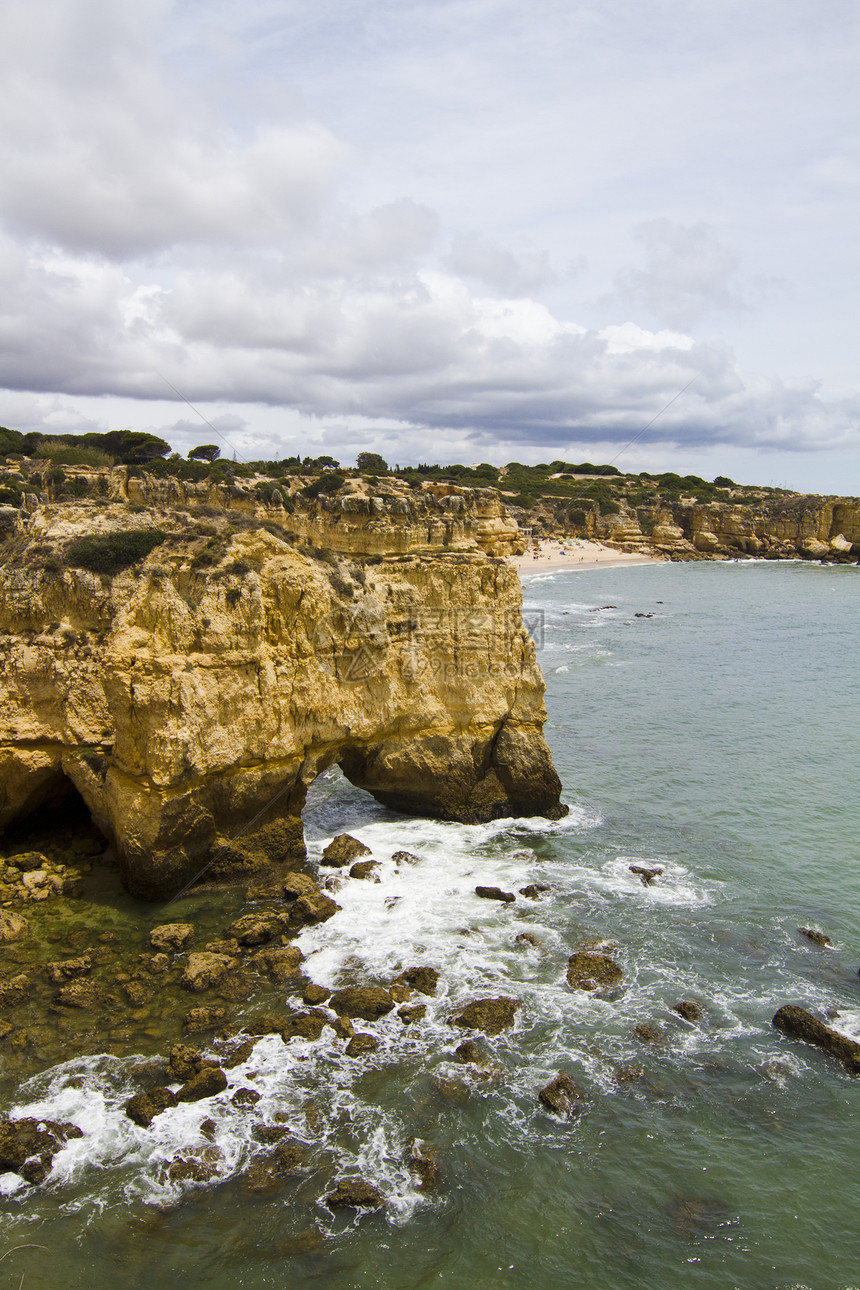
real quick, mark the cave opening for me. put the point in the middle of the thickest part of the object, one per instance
(61, 824)
(334, 805)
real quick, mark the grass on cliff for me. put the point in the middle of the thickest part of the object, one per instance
(113, 552)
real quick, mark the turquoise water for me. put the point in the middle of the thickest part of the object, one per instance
(717, 740)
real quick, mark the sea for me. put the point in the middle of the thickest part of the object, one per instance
(705, 721)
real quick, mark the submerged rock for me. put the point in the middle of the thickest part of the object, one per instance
(12, 926)
(647, 1033)
(343, 850)
(66, 969)
(688, 1009)
(265, 1176)
(817, 938)
(468, 1053)
(800, 1024)
(370, 1002)
(562, 1095)
(629, 1073)
(492, 1016)
(589, 971)
(534, 890)
(423, 1163)
(203, 1018)
(355, 1193)
(423, 979)
(405, 857)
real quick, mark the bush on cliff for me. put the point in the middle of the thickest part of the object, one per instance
(113, 552)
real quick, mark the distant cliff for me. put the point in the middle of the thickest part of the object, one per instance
(252, 639)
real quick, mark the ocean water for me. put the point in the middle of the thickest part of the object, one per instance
(716, 740)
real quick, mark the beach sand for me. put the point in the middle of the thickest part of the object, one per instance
(578, 554)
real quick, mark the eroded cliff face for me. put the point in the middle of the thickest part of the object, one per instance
(792, 527)
(192, 698)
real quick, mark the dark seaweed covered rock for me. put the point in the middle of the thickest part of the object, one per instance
(144, 1107)
(495, 893)
(588, 971)
(370, 1002)
(688, 1009)
(817, 938)
(208, 1082)
(355, 1193)
(800, 1024)
(562, 1095)
(28, 1147)
(492, 1016)
(423, 979)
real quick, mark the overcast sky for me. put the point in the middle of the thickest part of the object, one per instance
(444, 230)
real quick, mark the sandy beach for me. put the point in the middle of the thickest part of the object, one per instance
(576, 553)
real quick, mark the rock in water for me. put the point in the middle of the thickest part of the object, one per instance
(355, 1193)
(361, 1044)
(562, 1095)
(343, 850)
(492, 1016)
(817, 938)
(204, 970)
(688, 1009)
(423, 1163)
(423, 979)
(646, 876)
(208, 1082)
(587, 971)
(12, 926)
(370, 1002)
(144, 1107)
(800, 1024)
(495, 893)
(171, 936)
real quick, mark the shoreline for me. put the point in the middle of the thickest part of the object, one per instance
(579, 554)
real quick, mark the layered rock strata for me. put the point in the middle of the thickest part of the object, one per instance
(192, 698)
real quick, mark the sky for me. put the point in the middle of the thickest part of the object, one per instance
(442, 230)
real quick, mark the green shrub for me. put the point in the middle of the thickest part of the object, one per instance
(112, 552)
(65, 454)
(325, 484)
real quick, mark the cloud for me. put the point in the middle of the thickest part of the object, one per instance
(486, 262)
(689, 273)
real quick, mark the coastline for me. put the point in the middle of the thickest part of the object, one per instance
(579, 554)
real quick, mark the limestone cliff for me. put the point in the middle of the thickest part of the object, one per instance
(193, 697)
(790, 527)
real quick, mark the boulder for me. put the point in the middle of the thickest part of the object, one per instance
(280, 962)
(314, 994)
(491, 1016)
(800, 1024)
(370, 1002)
(533, 890)
(28, 861)
(311, 909)
(203, 970)
(12, 926)
(299, 884)
(28, 1146)
(367, 869)
(423, 979)
(360, 1044)
(185, 1062)
(688, 1009)
(245, 1097)
(355, 1193)
(343, 850)
(171, 936)
(562, 1095)
(144, 1107)
(208, 1082)
(495, 893)
(303, 1025)
(588, 971)
(254, 929)
(405, 857)
(239, 1054)
(409, 1014)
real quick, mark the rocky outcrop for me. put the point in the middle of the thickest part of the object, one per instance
(192, 698)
